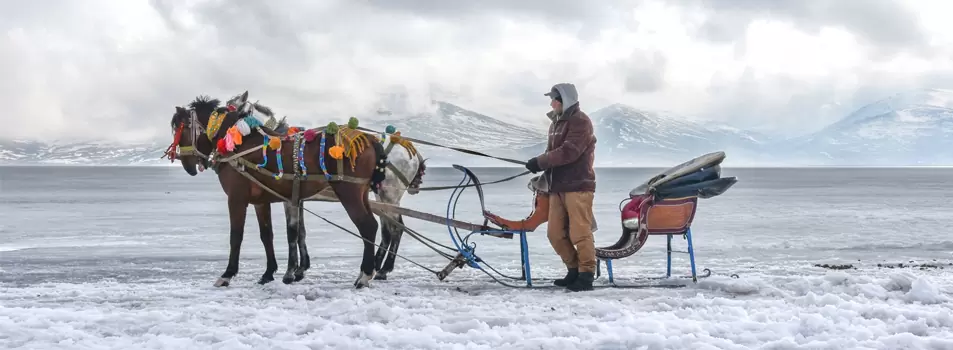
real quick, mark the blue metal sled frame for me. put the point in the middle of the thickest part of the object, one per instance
(467, 250)
(668, 263)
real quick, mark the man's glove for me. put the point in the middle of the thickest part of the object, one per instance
(533, 166)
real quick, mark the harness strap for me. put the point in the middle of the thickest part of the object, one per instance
(400, 175)
(309, 177)
(241, 170)
(296, 183)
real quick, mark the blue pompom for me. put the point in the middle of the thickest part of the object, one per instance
(390, 129)
(253, 122)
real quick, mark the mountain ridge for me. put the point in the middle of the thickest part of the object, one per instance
(906, 128)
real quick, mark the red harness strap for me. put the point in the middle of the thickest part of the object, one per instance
(170, 152)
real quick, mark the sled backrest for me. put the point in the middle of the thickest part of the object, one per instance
(670, 216)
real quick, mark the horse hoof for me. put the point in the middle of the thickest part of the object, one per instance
(287, 280)
(265, 279)
(222, 282)
(380, 276)
(299, 277)
(363, 280)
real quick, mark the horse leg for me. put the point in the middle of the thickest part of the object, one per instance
(302, 246)
(292, 220)
(382, 249)
(396, 232)
(355, 200)
(237, 209)
(263, 212)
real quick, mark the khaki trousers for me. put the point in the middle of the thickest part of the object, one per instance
(570, 229)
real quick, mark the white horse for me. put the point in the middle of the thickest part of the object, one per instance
(404, 174)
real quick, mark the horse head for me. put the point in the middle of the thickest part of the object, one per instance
(193, 137)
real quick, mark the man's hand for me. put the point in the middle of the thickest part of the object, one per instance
(533, 166)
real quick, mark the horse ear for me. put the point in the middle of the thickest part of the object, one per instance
(245, 96)
(179, 109)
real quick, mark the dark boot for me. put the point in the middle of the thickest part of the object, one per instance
(583, 282)
(569, 279)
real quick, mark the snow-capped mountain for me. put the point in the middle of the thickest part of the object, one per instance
(453, 126)
(19, 152)
(909, 128)
(628, 136)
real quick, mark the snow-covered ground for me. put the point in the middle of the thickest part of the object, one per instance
(96, 258)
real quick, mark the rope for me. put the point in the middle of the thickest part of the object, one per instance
(366, 240)
(463, 150)
(440, 188)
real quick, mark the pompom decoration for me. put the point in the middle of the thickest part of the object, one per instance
(352, 123)
(222, 149)
(332, 128)
(243, 127)
(390, 129)
(235, 135)
(232, 108)
(336, 152)
(274, 143)
(293, 130)
(310, 135)
(229, 143)
(252, 122)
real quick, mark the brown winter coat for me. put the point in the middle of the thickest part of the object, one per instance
(570, 152)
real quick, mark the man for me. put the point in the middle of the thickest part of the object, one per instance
(567, 165)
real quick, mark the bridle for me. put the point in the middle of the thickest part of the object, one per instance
(196, 129)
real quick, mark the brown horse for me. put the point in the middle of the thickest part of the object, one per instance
(201, 147)
(244, 185)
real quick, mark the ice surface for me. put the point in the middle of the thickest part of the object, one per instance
(100, 258)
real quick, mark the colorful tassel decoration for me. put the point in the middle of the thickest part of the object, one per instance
(274, 142)
(252, 122)
(310, 135)
(336, 152)
(235, 135)
(222, 149)
(264, 154)
(331, 129)
(324, 167)
(229, 143)
(352, 123)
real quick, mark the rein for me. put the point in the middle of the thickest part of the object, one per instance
(215, 123)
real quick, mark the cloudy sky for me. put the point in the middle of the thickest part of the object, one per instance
(115, 69)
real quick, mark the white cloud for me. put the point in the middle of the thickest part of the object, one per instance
(115, 70)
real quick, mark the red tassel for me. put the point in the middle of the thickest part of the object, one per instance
(310, 135)
(222, 149)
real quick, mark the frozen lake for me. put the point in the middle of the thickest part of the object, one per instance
(125, 258)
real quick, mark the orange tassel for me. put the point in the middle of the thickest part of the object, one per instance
(236, 135)
(336, 152)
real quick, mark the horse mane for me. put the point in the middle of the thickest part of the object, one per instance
(263, 109)
(204, 103)
(200, 104)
